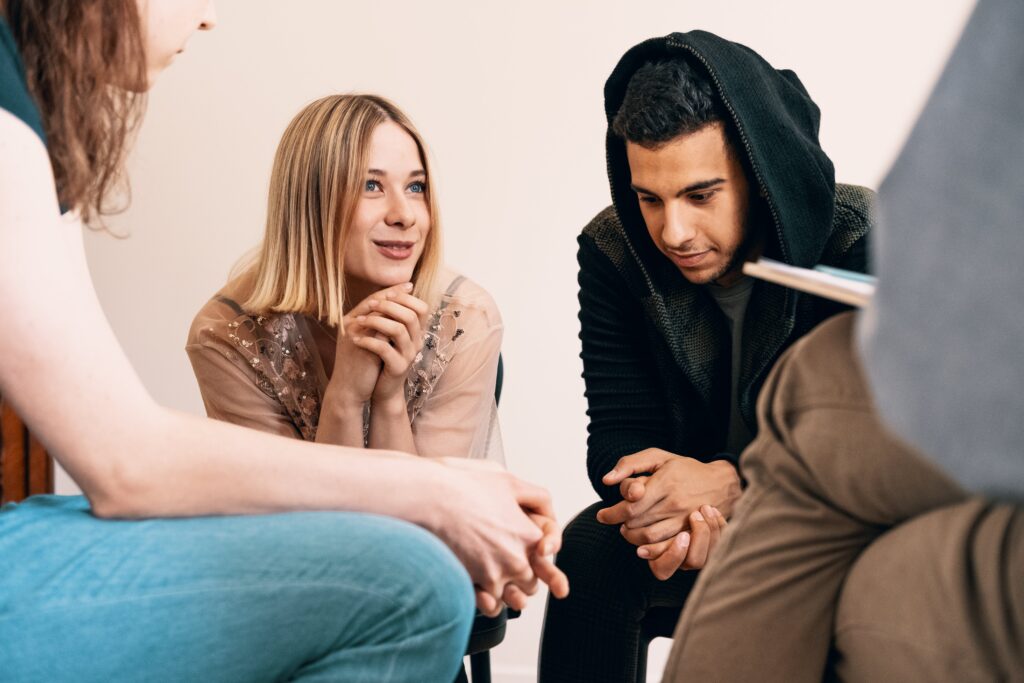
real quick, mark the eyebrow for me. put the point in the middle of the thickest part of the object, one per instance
(417, 173)
(693, 187)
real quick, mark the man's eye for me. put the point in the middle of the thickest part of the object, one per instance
(647, 199)
(373, 186)
(702, 196)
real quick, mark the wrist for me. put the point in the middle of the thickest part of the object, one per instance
(342, 402)
(729, 485)
(391, 405)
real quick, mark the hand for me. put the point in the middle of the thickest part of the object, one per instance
(656, 507)
(392, 330)
(688, 549)
(502, 529)
(357, 369)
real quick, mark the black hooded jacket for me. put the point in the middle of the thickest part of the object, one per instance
(656, 349)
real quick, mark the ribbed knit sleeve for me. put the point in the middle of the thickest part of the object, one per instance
(624, 402)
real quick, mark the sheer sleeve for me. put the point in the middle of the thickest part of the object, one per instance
(254, 372)
(231, 392)
(458, 416)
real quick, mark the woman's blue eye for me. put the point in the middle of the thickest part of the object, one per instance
(418, 187)
(373, 186)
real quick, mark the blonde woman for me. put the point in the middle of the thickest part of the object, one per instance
(345, 328)
(107, 586)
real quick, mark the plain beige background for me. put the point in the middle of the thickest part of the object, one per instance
(509, 97)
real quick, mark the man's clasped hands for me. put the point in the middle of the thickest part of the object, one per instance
(673, 508)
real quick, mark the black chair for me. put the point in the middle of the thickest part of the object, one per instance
(487, 631)
(660, 622)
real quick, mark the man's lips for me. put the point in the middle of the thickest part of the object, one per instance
(394, 249)
(688, 259)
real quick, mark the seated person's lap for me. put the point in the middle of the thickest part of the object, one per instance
(254, 598)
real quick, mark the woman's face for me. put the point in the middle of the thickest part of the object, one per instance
(167, 25)
(392, 216)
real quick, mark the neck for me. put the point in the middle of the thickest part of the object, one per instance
(356, 290)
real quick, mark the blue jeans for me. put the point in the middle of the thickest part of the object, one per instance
(308, 596)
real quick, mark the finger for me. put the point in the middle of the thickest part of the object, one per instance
(521, 574)
(402, 314)
(514, 597)
(419, 306)
(646, 461)
(653, 551)
(487, 603)
(664, 530)
(633, 488)
(712, 515)
(533, 498)
(551, 541)
(363, 307)
(556, 580)
(650, 509)
(672, 559)
(700, 540)
(616, 514)
(394, 331)
(394, 363)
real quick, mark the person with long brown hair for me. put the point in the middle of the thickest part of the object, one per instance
(344, 327)
(175, 565)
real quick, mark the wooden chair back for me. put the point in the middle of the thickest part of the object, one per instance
(25, 468)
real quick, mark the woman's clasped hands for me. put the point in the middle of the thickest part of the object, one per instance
(381, 338)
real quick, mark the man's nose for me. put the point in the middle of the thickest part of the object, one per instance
(679, 229)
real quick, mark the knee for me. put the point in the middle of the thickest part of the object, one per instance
(595, 553)
(430, 583)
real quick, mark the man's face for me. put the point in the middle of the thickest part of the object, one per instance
(694, 198)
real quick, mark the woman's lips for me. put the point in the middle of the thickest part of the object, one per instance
(399, 251)
(691, 259)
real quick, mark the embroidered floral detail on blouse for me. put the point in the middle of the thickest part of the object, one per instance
(284, 364)
(438, 350)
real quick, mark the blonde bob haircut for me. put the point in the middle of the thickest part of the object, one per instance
(317, 179)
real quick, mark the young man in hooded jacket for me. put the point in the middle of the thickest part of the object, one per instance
(713, 159)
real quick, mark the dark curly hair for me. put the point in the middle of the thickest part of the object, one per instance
(666, 99)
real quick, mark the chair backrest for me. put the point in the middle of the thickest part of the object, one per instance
(25, 467)
(500, 378)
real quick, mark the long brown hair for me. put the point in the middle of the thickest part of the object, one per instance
(317, 176)
(86, 68)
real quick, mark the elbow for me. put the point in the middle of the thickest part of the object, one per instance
(127, 485)
(123, 494)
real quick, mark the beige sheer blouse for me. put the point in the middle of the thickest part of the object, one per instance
(266, 372)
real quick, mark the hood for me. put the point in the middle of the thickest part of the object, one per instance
(777, 124)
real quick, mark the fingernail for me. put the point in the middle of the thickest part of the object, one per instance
(407, 286)
(360, 317)
(697, 516)
(684, 538)
(373, 303)
(643, 552)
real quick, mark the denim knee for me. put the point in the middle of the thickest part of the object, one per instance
(438, 595)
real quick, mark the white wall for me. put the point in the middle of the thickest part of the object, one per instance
(509, 97)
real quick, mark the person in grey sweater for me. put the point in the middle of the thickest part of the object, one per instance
(882, 533)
